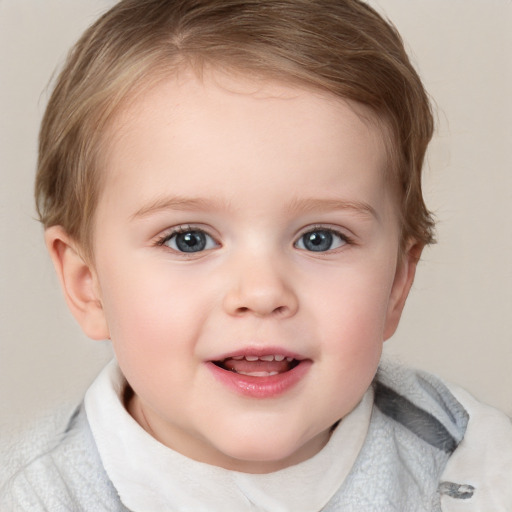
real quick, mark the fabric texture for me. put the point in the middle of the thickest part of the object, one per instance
(478, 477)
(408, 462)
(69, 477)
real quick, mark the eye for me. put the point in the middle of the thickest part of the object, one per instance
(321, 240)
(189, 241)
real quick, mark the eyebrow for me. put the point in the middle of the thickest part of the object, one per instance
(177, 203)
(312, 205)
(298, 205)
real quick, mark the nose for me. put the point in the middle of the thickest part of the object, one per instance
(259, 287)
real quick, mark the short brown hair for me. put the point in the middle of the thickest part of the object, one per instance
(340, 46)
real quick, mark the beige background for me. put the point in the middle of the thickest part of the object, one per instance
(458, 322)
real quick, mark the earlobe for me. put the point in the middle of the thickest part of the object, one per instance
(79, 283)
(404, 277)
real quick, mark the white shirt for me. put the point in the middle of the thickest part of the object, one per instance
(150, 477)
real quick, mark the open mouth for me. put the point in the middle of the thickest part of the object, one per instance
(260, 375)
(258, 366)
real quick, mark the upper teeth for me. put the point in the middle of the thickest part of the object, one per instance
(270, 357)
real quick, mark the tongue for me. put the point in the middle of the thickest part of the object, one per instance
(244, 366)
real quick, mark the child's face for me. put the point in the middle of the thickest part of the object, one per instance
(242, 221)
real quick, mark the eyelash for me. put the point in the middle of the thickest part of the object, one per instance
(161, 240)
(343, 236)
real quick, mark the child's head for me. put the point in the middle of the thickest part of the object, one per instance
(232, 194)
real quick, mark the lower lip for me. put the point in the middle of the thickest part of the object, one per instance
(261, 387)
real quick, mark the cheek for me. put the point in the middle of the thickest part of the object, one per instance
(141, 295)
(152, 337)
(137, 309)
(155, 315)
(354, 301)
(351, 318)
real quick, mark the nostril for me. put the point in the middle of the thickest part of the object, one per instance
(260, 301)
(276, 311)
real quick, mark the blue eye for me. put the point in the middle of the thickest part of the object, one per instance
(321, 240)
(192, 240)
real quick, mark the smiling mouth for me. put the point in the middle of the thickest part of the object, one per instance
(258, 366)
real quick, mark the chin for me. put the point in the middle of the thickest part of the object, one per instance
(264, 455)
(257, 463)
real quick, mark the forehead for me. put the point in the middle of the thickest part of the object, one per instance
(222, 126)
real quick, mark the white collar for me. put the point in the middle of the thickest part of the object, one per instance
(151, 477)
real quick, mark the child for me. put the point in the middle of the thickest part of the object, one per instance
(231, 193)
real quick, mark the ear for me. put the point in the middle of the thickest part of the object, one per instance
(404, 277)
(79, 283)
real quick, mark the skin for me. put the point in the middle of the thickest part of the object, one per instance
(254, 165)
